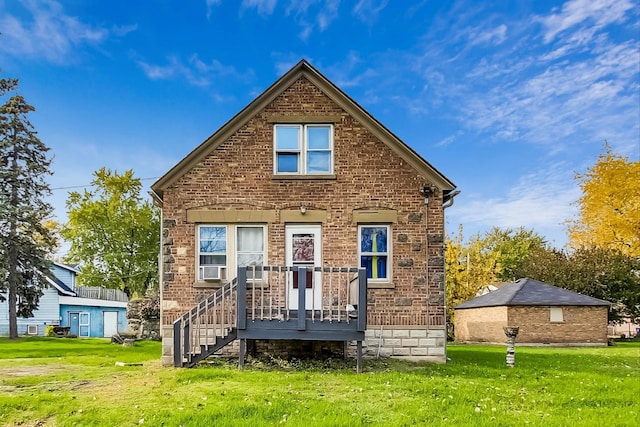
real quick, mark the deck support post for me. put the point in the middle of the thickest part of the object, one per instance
(302, 304)
(359, 357)
(242, 353)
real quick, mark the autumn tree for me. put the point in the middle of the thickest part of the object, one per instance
(114, 234)
(469, 267)
(25, 242)
(609, 209)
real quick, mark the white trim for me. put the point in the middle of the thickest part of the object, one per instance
(388, 253)
(91, 302)
(303, 148)
(313, 297)
(237, 227)
(29, 332)
(227, 265)
(55, 285)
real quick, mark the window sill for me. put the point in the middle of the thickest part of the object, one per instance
(328, 177)
(387, 285)
(218, 285)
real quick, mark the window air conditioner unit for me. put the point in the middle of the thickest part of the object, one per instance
(32, 329)
(216, 272)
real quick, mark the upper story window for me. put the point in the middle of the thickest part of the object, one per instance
(303, 149)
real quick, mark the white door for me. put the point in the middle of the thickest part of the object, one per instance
(110, 324)
(304, 250)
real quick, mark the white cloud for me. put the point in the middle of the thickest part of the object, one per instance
(50, 33)
(210, 5)
(367, 11)
(542, 200)
(598, 13)
(195, 71)
(263, 7)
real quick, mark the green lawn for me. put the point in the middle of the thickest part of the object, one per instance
(48, 381)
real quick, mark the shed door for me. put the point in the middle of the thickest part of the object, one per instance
(74, 323)
(110, 323)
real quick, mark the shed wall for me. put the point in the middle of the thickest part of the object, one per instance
(480, 324)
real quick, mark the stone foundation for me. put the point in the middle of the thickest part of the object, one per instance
(417, 344)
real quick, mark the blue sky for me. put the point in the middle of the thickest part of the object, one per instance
(507, 100)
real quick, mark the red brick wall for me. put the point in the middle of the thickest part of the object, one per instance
(581, 325)
(480, 324)
(238, 175)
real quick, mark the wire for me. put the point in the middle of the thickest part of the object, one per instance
(93, 185)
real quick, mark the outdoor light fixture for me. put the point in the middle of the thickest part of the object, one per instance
(303, 209)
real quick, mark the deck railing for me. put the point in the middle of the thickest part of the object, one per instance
(263, 303)
(97, 292)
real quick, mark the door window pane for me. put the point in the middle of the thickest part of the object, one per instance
(302, 248)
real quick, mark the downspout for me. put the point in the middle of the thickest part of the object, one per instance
(447, 204)
(426, 192)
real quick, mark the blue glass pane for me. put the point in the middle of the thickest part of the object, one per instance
(380, 263)
(287, 137)
(213, 239)
(319, 162)
(318, 137)
(287, 162)
(367, 237)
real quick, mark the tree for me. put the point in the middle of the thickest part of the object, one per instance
(114, 234)
(609, 214)
(25, 242)
(602, 273)
(513, 248)
(469, 267)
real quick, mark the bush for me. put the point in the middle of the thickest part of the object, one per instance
(48, 331)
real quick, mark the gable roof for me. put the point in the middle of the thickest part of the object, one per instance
(59, 285)
(74, 268)
(304, 69)
(530, 292)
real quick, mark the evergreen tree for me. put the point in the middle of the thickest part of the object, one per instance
(25, 241)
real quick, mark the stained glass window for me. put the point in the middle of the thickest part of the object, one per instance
(374, 253)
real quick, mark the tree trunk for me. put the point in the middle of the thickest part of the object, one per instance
(13, 256)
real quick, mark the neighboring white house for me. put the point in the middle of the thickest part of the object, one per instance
(88, 311)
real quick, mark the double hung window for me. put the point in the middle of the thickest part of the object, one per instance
(303, 149)
(224, 248)
(374, 251)
(212, 253)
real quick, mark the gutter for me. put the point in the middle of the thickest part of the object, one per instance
(448, 199)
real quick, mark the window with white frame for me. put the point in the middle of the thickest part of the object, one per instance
(224, 248)
(374, 252)
(212, 252)
(250, 249)
(303, 149)
(555, 314)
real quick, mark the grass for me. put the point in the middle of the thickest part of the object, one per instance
(48, 381)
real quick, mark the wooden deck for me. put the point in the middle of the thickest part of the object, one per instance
(264, 309)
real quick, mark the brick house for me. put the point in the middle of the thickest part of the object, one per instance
(303, 178)
(545, 314)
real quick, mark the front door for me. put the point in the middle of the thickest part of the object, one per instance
(74, 323)
(304, 250)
